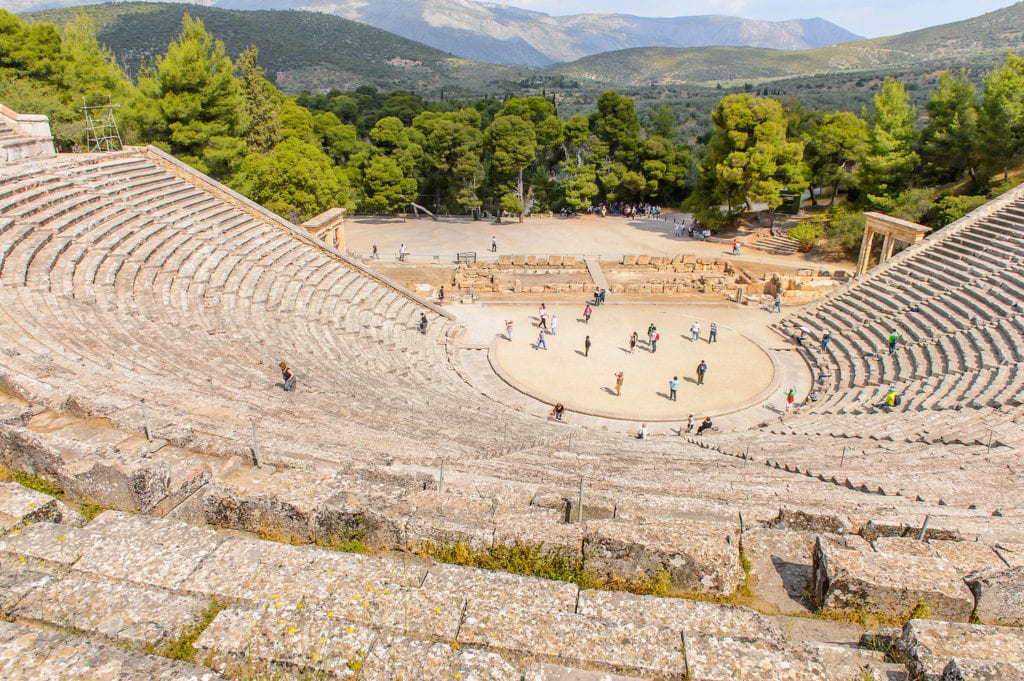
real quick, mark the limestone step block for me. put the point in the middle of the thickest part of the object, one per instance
(722, 659)
(43, 546)
(1012, 554)
(29, 654)
(888, 584)
(399, 657)
(16, 583)
(573, 640)
(961, 669)
(699, 556)
(998, 595)
(261, 572)
(518, 592)
(371, 512)
(162, 553)
(967, 556)
(20, 506)
(541, 671)
(121, 612)
(690, 617)
(928, 646)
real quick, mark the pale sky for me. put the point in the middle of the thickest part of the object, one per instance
(869, 18)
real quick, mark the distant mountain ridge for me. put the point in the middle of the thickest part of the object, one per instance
(500, 34)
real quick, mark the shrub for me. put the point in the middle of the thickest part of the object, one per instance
(806, 234)
(949, 209)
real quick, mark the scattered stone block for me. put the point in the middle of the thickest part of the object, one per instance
(998, 595)
(723, 659)
(809, 521)
(960, 669)
(892, 585)
(515, 592)
(967, 556)
(903, 546)
(43, 546)
(23, 506)
(698, 556)
(643, 260)
(928, 646)
(554, 672)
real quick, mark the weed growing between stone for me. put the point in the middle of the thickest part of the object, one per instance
(89, 510)
(182, 648)
(32, 481)
(521, 559)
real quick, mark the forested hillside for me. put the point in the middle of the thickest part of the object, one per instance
(377, 151)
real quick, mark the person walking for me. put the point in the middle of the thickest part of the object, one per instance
(543, 324)
(586, 313)
(618, 384)
(440, 296)
(826, 338)
(894, 339)
(790, 398)
(713, 333)
(777, 305)
(401, 253)
(554, 325)
(494, 244)
(735, 246)
(673, 388)
(654, 341)
(702, 369)
(651, 330)
(633, 342)
(586, 347)
(541, 343)
(287, 377)
(374, 255)
(508, 330)
(423, 323)
(695, 332)
(689, 424)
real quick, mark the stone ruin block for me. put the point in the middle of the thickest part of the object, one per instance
(808, 521)
(543, 262)
(540, 671)
(698, 556)
(569, 260)
(505, 260)
(929, 646)
(1013, 554)
(555, 260)
(998, 595)
(629, 260)
(531, 260)
(519, 260)
(967, 556)
(657, 261)
(903, 546)
(22, 506)
(871, 530)
(891, 585)
(632, 288)
(345, 518)
(643, 260)
(960, 669)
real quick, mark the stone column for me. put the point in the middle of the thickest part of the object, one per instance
(863, 262)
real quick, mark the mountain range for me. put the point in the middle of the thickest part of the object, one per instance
(500, 34)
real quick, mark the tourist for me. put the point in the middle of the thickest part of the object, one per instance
(494, 244)
(892, 398)
(587, 311)
(543, 324)
(702, 369)
(586, 347)
(558, 411)
(705, 425)
(735, 246)
(401, 253)
(713, 333)
(650, 332)
(790, 398)
(695, 332)
(603, 294)
(777, 305)
(541, 343)
(802, 336)
(288, 377)
(597, 297)
(894, 339)
(826, 338)
(554, 325)
(374, 255)
(508, 330)
(632, 342)
(440, 296)
(823, 377)
(654, 341)
(423, 323)
(618, 384)
(689, 424)
(642, 433)
(673, 388)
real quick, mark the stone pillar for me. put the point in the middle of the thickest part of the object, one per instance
(863, 262)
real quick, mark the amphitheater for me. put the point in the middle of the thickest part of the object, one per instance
(144, 309)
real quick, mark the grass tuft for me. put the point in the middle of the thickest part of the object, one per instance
(183, 648)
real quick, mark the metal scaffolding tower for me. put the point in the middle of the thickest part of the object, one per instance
(101, 133)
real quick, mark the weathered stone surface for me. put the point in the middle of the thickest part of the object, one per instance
(714, 659)
(378, 520)
(573, 640)
(515, 593)
(806, 521)
(554, 672)
(1013, 554)
(998, 595)
(15, 584)
(20, 505)
(28, 654)
(699, 556)
(888, 584)
(690, 617)
(399, 657)
(121, 612)
(873, 529)
(902, 546)
(967, 556)
(162, 553)
(445, 532)
(43, 546)
(262, 572)
(929, 645)
(960, 669)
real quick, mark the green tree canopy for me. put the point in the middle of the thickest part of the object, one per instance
(889, 160)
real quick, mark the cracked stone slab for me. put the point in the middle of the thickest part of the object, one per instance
(699, 556)
(930, 645)
(163, 553)
(398, 657)
(44, 546)
(1013, 554)
(888, 584)
(960, 669)
(555, 672)
(261, 571)
(723, 659)
(690, 617)
(120, 612)
(28, 654)
(21, 506)
(968, 556)
(572, 640)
